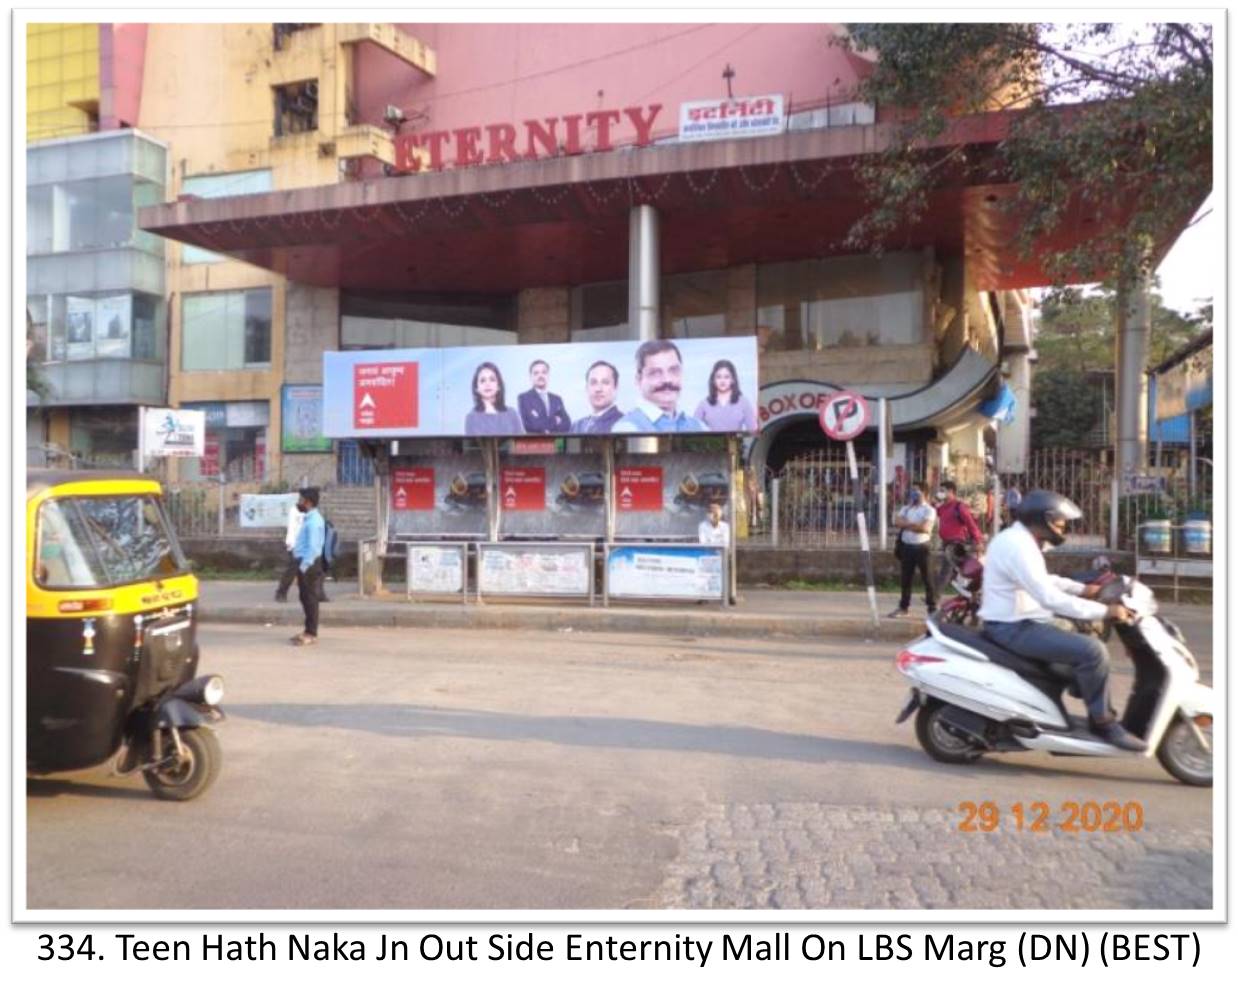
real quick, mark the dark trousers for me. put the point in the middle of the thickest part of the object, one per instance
(914, 558)
(1086, 655)
(287, 577)
(309, 583)
(952, 556)
(291, 569)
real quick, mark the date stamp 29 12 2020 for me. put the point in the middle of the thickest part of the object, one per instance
(1041, 817)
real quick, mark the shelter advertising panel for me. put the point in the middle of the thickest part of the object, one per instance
(535, 570)
(693, 386)
(564, 495)
(301, 419)
(443, 496)
(668, 496)
(436, 568)
(683, 572)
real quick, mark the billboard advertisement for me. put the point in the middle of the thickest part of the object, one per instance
(266, 511)
(301, 419)
(529, 569)
(691, 573)
(668, 496)
(439, 496)
(691, 386)
(560, 496)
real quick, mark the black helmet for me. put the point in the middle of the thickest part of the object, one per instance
(1038, 508)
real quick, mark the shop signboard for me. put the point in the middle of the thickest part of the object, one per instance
(301, 419)
(456, 504)
(747, 117)
(530, 391)
(436, 568)
(571, 501)
(691, 573)
(172, 432)
(526, 569)
(669, 494)
(266, 511)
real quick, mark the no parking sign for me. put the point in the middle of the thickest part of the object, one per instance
(844, 415)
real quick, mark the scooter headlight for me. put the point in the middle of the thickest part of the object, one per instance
(213, 693)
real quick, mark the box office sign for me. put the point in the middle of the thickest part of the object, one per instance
(749, 117)
(687, 386)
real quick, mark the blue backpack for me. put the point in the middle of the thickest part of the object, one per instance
(330, 544)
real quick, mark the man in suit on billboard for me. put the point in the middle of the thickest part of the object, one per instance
(542, 412)
(601, 383)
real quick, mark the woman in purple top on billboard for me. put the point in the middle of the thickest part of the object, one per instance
(726, 409)
(490, 414)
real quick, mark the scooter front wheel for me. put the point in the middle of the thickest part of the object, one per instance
(186, 776)
(1186, 752)
(938, 741)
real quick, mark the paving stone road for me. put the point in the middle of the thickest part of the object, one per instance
(809, 856)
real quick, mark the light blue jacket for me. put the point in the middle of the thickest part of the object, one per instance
(310, 540)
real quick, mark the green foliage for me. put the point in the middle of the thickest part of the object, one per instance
(1067, 409)
(1141, 121)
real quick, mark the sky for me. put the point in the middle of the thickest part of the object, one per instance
(1192, 268)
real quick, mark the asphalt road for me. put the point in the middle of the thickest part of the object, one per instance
(439, 769)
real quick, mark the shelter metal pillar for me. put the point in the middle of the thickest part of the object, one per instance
(644, 274)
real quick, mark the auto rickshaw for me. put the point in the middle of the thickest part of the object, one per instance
(111, 636)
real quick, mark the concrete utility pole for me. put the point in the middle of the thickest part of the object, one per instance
(1133, 335)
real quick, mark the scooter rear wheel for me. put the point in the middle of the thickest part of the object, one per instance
(1183, 755)
(938, 741)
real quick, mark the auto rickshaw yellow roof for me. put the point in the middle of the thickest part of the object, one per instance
(89, 482)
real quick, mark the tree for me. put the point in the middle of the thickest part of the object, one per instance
(1135, 147)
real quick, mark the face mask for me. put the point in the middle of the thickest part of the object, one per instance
(941, 496)
(915, 496)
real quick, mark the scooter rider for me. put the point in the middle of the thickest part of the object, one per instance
(1020, 598)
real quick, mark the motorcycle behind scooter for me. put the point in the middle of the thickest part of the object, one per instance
(972, 697)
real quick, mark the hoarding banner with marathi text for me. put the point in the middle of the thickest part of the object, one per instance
(692, 386)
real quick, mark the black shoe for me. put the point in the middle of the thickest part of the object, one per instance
(898, 613)
(1113, 734)
(323, 598)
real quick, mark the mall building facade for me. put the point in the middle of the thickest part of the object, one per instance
(365, 186)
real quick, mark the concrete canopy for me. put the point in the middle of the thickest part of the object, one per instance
(564, 221)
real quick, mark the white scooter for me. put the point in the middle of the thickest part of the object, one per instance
(974, 697)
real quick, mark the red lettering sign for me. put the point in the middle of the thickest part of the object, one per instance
(385, 395)
(412, 488)
(503, 142)
(638, 488)
(209, 465)
(523, 488)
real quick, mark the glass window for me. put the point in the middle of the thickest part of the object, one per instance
(817, 304)
(105, 542)
(227, 330)
(600, 305)
(694, 304)
(104, 436)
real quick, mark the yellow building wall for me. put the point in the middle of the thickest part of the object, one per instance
(62, 80)
(209, 93)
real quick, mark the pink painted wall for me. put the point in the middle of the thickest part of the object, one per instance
(491, 73)
(122, 59)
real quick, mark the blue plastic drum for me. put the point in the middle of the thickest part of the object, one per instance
(1157, 536)
(1197, 538)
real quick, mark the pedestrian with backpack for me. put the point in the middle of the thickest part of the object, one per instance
(308, 551)
(959, 531)
(330, 546)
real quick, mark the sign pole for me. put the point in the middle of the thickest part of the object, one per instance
(141, 440)
(883, 462)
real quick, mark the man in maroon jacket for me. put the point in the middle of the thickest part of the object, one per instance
(958, 529)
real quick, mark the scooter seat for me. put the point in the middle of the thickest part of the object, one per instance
(1062, 673)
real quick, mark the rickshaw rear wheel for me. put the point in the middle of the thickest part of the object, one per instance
(191, 775)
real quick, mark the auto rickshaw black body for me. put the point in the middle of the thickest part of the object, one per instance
(111, 636)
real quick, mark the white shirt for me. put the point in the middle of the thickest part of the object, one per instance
(1019, 588)
(295, 518)
(919, 514)
(710, 534)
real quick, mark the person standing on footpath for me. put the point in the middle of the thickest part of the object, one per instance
(295, 518)
(308, 551)
(915, 524)
(960, 532)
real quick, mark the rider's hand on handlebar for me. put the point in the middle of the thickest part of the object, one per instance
(1120, 613)
(1090, 591)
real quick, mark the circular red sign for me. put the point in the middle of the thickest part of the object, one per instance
(844, 415)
